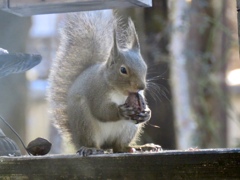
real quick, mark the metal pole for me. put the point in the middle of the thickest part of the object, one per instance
(238, 10)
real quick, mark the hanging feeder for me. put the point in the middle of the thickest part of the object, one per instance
(33, 7)
(14, 63)
(7, 146)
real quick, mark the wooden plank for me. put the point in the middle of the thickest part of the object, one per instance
(202, 164)
(33, 7)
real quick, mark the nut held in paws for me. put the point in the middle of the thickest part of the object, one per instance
(136, 101)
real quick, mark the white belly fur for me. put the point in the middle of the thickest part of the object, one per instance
(109, 131)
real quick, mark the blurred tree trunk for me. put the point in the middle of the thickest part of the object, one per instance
(185, 124)
(206, 49)
(13, 88)
(152, 26)
(159, 95)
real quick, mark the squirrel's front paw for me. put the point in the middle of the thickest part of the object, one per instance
(129, 112)
(85, 151)
(126, 111)
(142, 116)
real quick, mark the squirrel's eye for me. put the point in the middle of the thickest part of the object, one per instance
(123, 70)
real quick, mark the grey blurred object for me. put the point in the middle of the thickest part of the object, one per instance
(14, 63)
(33, 7)
(3, 51)
(8, 146)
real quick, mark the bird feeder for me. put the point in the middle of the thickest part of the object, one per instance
(33, 7)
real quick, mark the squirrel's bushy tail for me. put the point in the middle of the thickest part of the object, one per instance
(86, 38)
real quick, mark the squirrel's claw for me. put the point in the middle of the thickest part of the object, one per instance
(142, 117)
(126, 111)
(148, 148)
(85, 151)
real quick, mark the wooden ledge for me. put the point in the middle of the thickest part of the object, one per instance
(33, 7)
(201, 164)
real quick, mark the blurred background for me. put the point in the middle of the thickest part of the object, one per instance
(191, 48)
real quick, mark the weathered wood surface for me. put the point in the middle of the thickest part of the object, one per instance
(32, 7)
(202, 164)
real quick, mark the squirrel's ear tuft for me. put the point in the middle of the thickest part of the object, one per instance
(133, 35)
(114, 51)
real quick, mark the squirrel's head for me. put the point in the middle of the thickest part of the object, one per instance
(126, 68)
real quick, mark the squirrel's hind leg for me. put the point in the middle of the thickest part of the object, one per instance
(86, 151)
(140, 148)
(147, 148)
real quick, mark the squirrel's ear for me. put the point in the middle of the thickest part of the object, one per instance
(114, 51)
(134, 38)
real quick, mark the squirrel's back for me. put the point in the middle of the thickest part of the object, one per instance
(86, 39)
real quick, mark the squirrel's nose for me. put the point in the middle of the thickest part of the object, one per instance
(141, 86)
(138, 86)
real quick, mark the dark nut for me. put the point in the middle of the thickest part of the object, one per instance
(136, 101)
(39, 146)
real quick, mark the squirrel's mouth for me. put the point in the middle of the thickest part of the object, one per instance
(136, 91)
